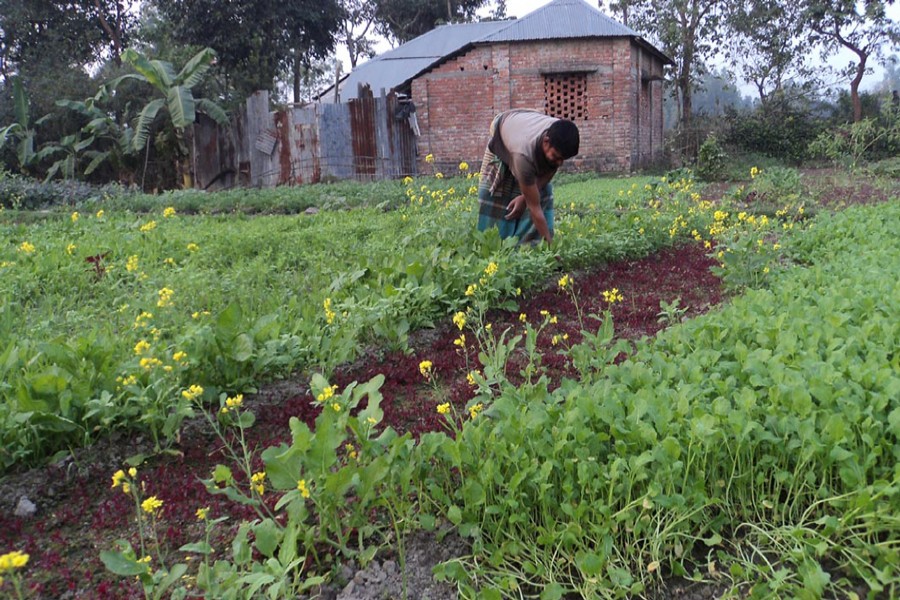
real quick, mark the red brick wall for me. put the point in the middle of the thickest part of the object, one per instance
(456, 101)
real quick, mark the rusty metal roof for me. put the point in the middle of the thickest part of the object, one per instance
(559, 19)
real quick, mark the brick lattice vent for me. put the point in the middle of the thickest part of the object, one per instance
(564, 96)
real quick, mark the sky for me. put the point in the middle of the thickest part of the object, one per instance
(520, 8)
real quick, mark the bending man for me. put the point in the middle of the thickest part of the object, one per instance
(524, 152)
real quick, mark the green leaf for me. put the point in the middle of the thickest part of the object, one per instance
(552, 591)
(222, 474)
(197, 548)
(242, 348)
(120, 564)
(228, 323)
(589, 563)
(267, 535)
(454, 515)
(181, 105)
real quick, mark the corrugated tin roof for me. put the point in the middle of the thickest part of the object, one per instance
(556, 20)
(396, 66)
(560, 19)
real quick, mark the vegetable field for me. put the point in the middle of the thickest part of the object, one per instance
(302, 392)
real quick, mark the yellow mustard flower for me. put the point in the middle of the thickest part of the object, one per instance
(564, 281)
(302, 488)
(327, 393)
(470, 291)
(13, 560)
(257, 482)
(491, 269)
(444, 408)
(425, 368)
(169, 211)
(132, 264)
(100, 213)
(148, 226)
(459, 319)
(165, 297)
(460, 341)
(202, 513)
(463, 166)
(75, 216)
(429, 158)
(192, 247)
(192, 393)
(141, 347)
(179, 356)
(473, 412)
(151, 505)
(117, 478)
(234, 402)
(26, 247)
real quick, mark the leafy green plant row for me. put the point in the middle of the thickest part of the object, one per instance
(757, 446)
(109, 315)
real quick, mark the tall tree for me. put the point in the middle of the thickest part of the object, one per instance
(357, 29)
(687, 30)
(863, 28)
(256, 39)
(403, 20)
(71, 32)
(766, 42)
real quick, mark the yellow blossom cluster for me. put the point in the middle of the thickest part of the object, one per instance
(329, 313)
(564, 281)
(168, 212)
(13, 560)
(257, 482)
(141, 321)
(326, 393)
(232, 403)
(192, 393)
(302, 488)
(202, 513)
(612, 296)
(75, 216)
(26, 248)
(165, 297)
(444, 408)
(192, 247)
(459, 319)
(151, 505)
(425, 368)
(132, 263)
(475, 409)
(148, 226)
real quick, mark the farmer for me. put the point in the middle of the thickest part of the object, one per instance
(514, 194)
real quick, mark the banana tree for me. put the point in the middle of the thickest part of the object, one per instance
(177, 102)
(114, 143)
(22, 131)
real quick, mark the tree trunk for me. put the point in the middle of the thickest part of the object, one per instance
(854, 87)
(296, 69)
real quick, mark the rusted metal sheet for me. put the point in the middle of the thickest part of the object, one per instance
(365, 139)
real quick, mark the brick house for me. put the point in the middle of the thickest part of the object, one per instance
(566, 59)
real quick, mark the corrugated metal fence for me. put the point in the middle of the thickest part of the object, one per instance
(365, 139)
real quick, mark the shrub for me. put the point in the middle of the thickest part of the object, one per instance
(18, 192)
(711, 161)
(777, 129)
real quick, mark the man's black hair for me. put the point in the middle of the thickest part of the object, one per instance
(563, 135)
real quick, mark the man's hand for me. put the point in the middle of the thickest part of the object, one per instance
(515, 208)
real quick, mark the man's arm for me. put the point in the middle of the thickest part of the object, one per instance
(533, 204)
